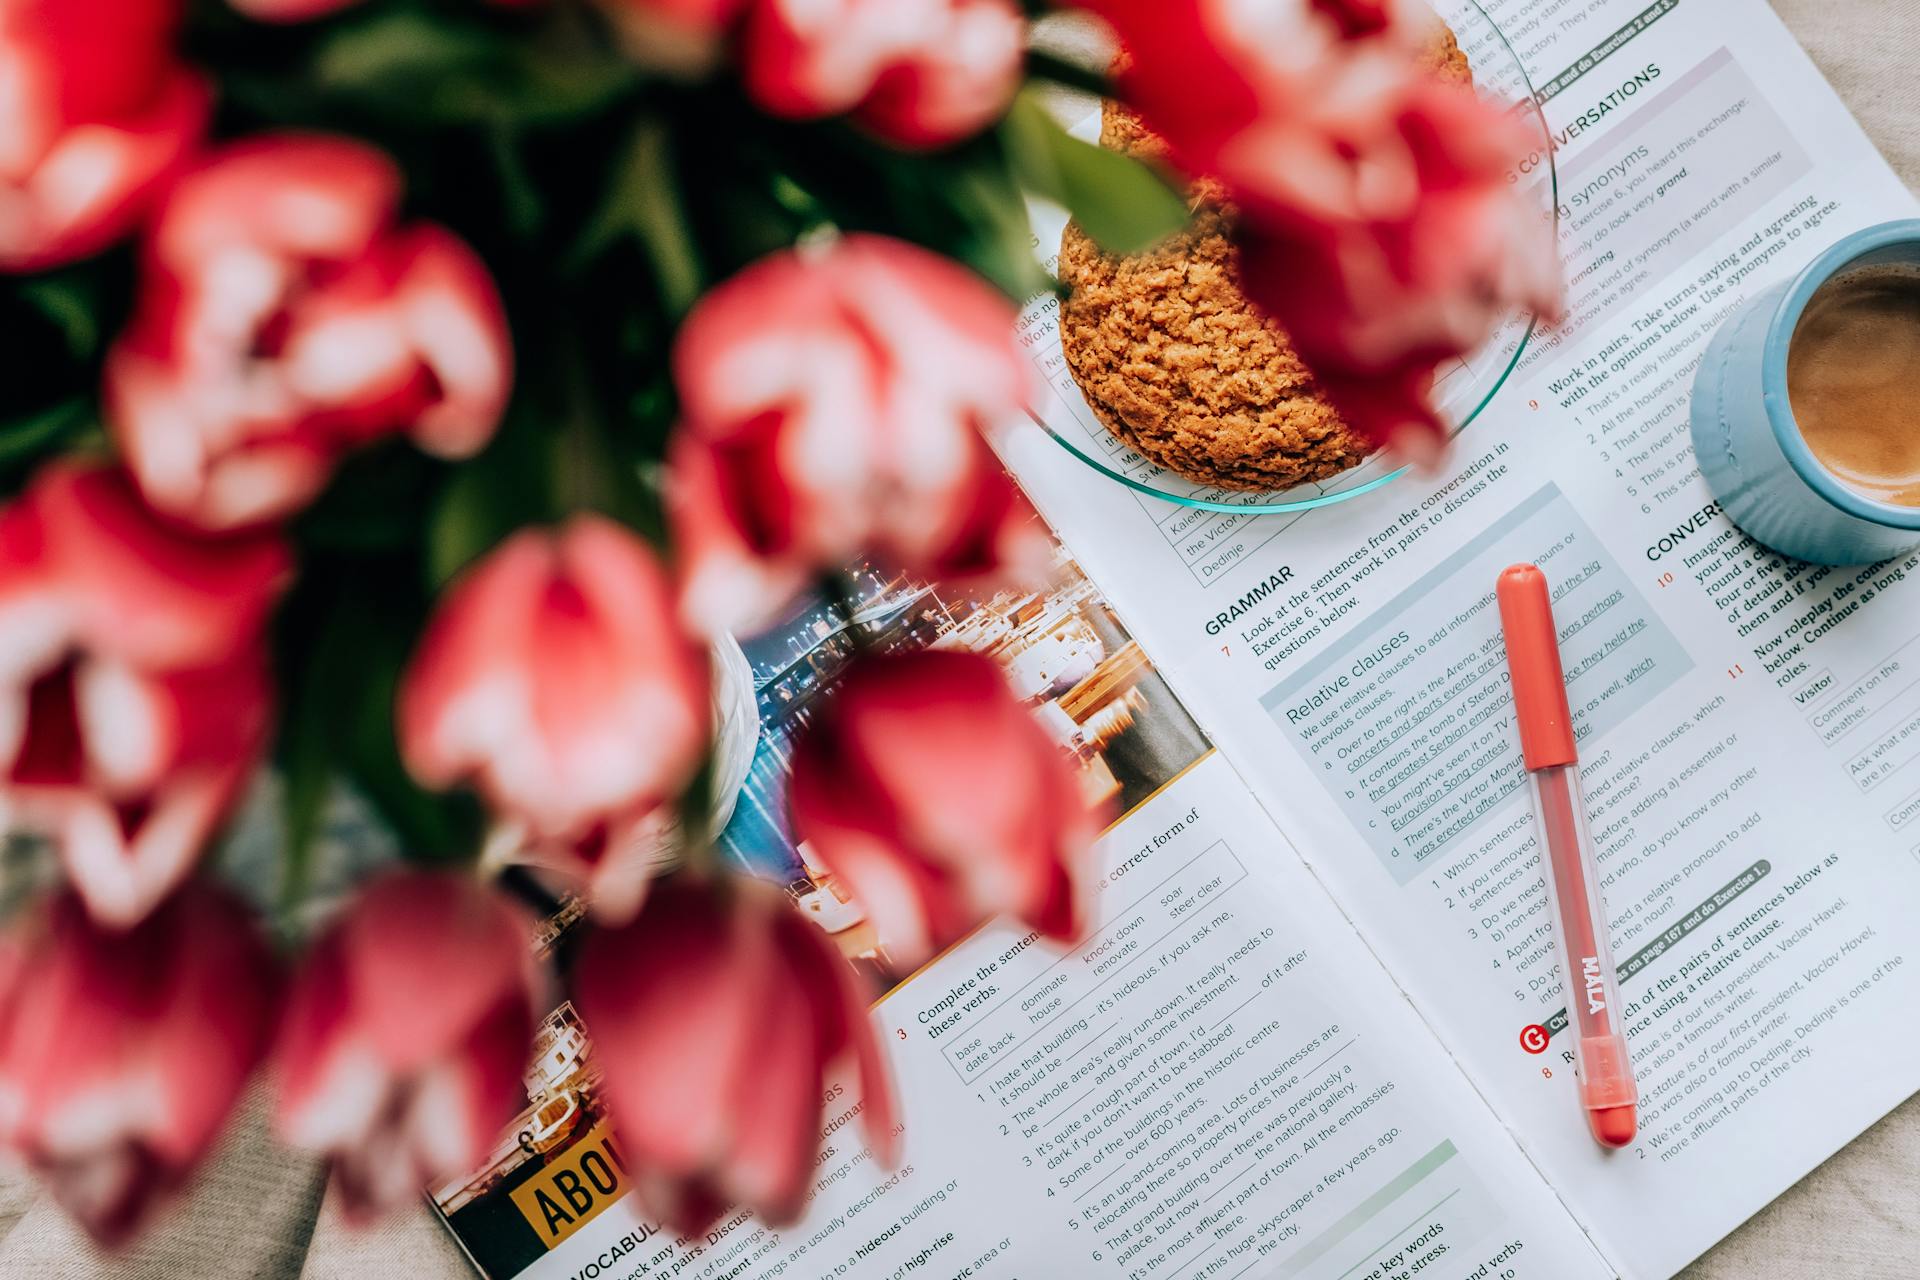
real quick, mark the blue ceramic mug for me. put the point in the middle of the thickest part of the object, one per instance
(1750, 449)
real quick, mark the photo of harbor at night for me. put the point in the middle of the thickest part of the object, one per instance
(1064, 653)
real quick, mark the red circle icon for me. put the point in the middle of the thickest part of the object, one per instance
(1533, 1038)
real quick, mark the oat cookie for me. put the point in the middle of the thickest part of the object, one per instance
(1173, 359)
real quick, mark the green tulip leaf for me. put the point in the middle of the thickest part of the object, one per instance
(1123, 204)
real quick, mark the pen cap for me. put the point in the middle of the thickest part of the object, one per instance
(1533, 660)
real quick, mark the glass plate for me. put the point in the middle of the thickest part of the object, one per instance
(1464, 391)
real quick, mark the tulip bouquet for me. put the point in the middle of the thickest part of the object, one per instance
(402, 396)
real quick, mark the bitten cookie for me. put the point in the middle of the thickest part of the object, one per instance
(1173, 359)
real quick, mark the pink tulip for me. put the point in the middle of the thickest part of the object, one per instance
(722, 1019)
(833, 399)
(1414, 270)
(134, 698)
(1378, 225)
(1287, 103)
(939, 801)
(555, 679)
(921, 73)
(96, 114)
(1376, 307)
(402, 1047)
(284, 320)
(121, 1053)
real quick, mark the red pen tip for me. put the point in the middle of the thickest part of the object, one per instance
(1614, 1126)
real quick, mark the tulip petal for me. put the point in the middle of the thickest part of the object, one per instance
(724, 580)
(700, 967)
(1375, 219)
(922, 73)
(428, 954)
(92, 181)
(127, 724)
(121, 1058)
(455, 321)
(555, 676)
(401, 1053)
(938, 799)
(332, 1086)
(142, 590)
(284, 320)
(122, 872)
(777, 1111)
(832, 398)
(483, 1088)
(845, 1024)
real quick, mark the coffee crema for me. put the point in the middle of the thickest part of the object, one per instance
(1853, 379)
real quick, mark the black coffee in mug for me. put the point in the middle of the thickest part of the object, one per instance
(1853, 377)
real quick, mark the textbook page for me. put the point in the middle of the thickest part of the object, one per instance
(1220, 1081)
(1750, 728)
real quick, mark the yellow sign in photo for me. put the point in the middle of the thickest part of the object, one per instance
(575, 1189)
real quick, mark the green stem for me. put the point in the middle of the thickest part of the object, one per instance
(644, 203)
(582, 461)
(654, 188)
(516, 184)
(590, 465)
(26, 440)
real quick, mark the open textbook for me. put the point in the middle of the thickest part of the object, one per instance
(1316, 1030)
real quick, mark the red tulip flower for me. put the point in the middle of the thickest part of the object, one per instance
(722, 1017)
(134, 698)
(939, 801)
(1439, 248)
(284, 320)
(121, 1053)
(1289, 104)
(96, 114)
(833, 400)
(921, 73)
(555, 679)
(1377, 222)
(403, 1043)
